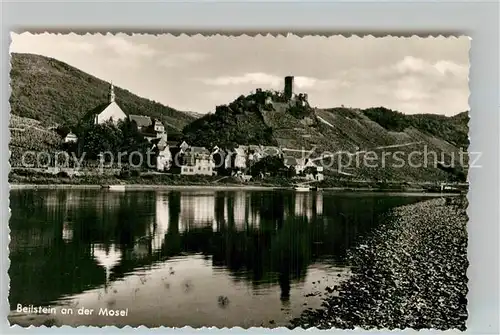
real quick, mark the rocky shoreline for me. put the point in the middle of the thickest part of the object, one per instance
(410, 273)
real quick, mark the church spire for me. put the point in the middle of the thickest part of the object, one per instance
(111, 93)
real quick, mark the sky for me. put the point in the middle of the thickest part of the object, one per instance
(197, 73)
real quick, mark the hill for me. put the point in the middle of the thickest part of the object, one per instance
(350, 133)
(30, 135)
(54, 92)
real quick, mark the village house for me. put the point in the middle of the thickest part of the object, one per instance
(240, 158)
(191, 160)
(147, 127)
(243, 156)
(291, 162)
(311, 170)
(197, 161)
(70, 138)
(183, 147)
(162, 153)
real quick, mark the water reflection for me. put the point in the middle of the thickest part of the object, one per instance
(106, 256)
(72, 241)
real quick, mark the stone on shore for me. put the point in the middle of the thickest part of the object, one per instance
(410, 273)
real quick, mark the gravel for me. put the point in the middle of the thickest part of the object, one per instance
(410, 273)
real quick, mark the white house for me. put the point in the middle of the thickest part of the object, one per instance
(198, 161)
(70, 138)
(303, 164)
(158, 127)
(150, 129)
(163, 154)
(240, 159)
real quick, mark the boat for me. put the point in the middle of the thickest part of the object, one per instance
(116, 187)
(302, 188)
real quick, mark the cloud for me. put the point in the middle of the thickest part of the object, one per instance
(410, 84)
(27, 42)
(181, 59)
(80, 46)
(254, 78)
(125, 48)
(420, 76)
(272, 81)
(446, 67)
(408, 94)
(412, 65)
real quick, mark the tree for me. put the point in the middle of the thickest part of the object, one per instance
(270, 164)
(122, 138)
(100, 138)
(311, 170)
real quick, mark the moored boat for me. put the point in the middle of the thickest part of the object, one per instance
(302, 188)
(116, 187)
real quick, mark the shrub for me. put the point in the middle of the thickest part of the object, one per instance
(125, 173)
(62, 174)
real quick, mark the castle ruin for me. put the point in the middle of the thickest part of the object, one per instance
(288, 87)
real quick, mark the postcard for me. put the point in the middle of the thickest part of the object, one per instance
(239, 181)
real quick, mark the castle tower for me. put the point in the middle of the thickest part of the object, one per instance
(288, 87)
(111, 95)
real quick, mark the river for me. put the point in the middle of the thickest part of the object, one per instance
(183, 257)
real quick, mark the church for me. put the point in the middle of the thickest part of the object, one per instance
(107, 111)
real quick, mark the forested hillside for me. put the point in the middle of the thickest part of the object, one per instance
(248, 120)
(54, 92)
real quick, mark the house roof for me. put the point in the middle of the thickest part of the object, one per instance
(140, 120)
(199, 150)
(290, 161)
(241, 149)
(159, 143)
(162, 144)
(272, 151)
(255, 148)
(147, 134)
(89, 116)
(172, 143)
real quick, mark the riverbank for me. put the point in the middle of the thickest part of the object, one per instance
(215, 187)
(411, 273)
(138, 187)
(32, 179)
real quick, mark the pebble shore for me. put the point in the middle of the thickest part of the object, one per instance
(410, 273)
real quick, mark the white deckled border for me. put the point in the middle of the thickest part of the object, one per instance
(476, 20)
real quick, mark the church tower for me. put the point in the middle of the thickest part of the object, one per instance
(111, 95)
